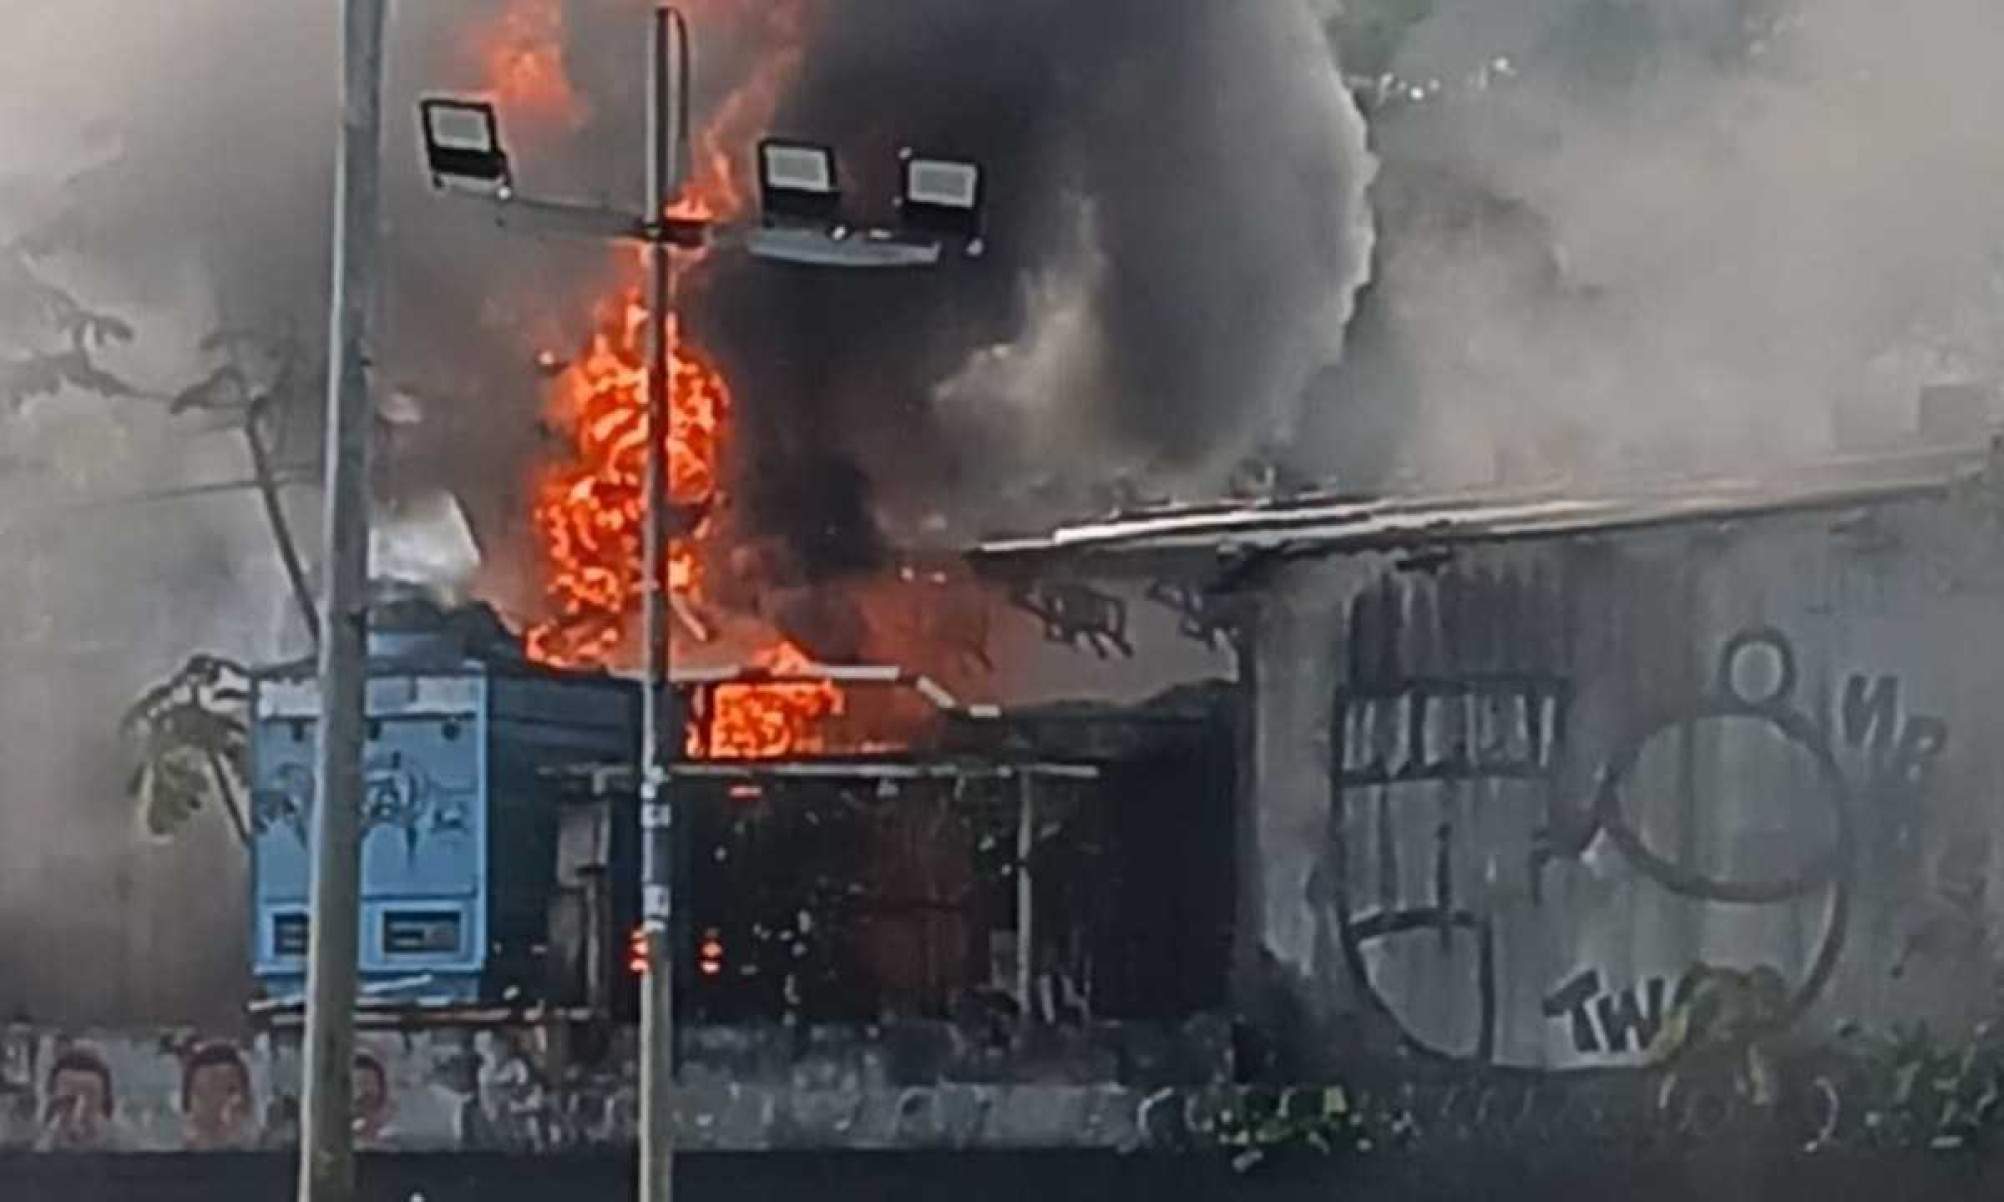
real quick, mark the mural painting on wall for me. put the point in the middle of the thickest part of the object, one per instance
(420, 1091)
(1510, 892)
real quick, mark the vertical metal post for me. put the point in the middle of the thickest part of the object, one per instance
(327, 1144)
(657, 992)
(1026, 932)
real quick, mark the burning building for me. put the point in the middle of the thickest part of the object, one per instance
(995, 866)
(820, 428)
(1559, 794)
(1289, 789)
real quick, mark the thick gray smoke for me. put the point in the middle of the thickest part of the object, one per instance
(1671, 235)
(1178, 231)
(143, 150)
(170, 165)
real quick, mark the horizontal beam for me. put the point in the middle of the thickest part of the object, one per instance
(618, 778)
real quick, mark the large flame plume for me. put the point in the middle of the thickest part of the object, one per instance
(590, 506)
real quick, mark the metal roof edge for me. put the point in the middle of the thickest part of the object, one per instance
(1342, 527)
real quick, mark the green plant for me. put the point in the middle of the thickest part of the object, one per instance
(1262, 1124)
(189, 736)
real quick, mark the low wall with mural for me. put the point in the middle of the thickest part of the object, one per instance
(554, 1089)
(491, 1092)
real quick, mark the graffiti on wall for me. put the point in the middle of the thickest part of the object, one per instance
(1488, 728)
(398, 796)
(1617, 1020)
(1694, 873)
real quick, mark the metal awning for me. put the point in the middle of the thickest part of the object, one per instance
(1154, 543)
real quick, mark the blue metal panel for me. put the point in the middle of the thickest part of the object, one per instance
(459, 830)
(424, 868)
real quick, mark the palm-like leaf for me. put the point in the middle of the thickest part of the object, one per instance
(190, 740)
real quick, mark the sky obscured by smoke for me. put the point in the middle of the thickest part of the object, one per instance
(1672, 235)
(173, 163)
(1178, 229)
(1616, 234)
(146, 144)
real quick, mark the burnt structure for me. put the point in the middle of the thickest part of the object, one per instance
(1045, 869)
(1050, 865)
(1530, 777)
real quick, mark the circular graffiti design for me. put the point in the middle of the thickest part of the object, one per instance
(1775, 707)
(1756, 682)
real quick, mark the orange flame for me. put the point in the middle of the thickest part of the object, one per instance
(521, 57)
(590, 509)
(770, 721)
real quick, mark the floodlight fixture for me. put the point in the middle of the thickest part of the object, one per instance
(462, 144)
(798, 183)
(943, 197)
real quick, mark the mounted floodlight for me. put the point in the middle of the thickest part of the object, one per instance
(943, 197)
(797, 183)
(462, 144)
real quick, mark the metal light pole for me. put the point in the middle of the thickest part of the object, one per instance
(668, 84)
(327, 1137)
(463, 149)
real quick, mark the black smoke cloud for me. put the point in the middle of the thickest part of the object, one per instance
(1177, 227)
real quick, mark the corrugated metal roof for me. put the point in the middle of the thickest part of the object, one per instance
(1331, 525)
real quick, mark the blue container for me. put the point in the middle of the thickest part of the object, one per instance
(467, 745)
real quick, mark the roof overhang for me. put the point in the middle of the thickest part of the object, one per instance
(1215, 541)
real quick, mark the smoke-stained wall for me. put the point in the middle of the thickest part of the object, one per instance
(1512, 806)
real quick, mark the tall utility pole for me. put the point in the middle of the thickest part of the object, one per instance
(463, 148)
(327, 1137)
(668, 86)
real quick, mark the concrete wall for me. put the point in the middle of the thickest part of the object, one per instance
(552, 1089)
(1507, 800)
